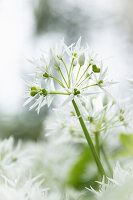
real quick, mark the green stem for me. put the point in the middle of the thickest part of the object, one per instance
(60, 83)
(84, 73)
(90, 143)
(58, 92)
(69, 75)
(78, 72)
(97, 147)
(63, 76)
(107, 161)
(64, 65)
(89, 86)
(82, 81)
(97, 143)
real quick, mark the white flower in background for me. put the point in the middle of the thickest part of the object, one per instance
(53, 162)
(102, 114)
(120, 187)
(75, 69)
(14, 161)
(43, 67)
(63, 125)
(130, 81)
(30, 189)
(19, 163)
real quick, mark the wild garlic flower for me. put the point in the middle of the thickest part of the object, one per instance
(63, 124)
(120, 187)
(30, 189)
(102, 114)
(75, 69)
(50, 159)
(39, 95)
(14, 161)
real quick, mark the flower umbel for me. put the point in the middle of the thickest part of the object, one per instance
(77, 72)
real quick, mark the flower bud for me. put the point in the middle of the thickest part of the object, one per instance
(105, 100)
(81, 59)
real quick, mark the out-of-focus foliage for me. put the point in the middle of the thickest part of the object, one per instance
(79, 176)
(127, 141)
(61, 17)
(24, 125)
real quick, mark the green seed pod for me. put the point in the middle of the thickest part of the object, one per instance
(76, 91)
(121, 118)
(33, 88)
(44, 92)
(90, 119)
(33, 93)
(95, 69)
(45, 75)
(74, 54)
(100, 82)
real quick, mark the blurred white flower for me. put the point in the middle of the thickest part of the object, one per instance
(30, 189)
(120, 187)
(14, 161)
(63, 125)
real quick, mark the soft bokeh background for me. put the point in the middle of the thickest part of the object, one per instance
(29, 27)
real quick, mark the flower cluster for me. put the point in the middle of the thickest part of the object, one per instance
(75, 69)
(120, 187)
(25, 175)
(99, 112)
(30, 189)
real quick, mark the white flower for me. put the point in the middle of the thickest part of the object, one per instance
(39, 95)
(30, 189)
(74, 49)
(78, 73)
(63, 124)
(120, 187)
(43, 66)
(14, 161)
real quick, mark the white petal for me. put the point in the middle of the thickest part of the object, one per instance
(28, 101)
(34, 105)
(70, 98)
(40, 102)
